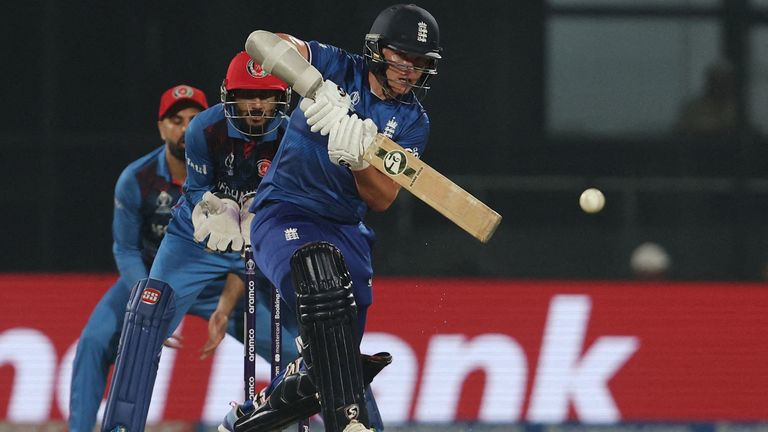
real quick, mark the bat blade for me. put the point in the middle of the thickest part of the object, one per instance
(439, 192)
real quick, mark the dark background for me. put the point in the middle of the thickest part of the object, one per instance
(81, 88)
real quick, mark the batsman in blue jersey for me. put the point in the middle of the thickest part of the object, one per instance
(229, 149)
(144, 195)
(308, 231)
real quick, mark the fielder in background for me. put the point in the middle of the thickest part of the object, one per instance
(144, 195)
(308, 232)
(229, 148)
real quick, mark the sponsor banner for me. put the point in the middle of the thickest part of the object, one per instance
(497, 351)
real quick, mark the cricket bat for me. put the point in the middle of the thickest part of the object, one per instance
(281, 59)
(433, 188)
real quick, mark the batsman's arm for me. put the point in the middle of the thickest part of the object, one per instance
(281, 59)
(288, 58)
(376, 189)
(297, 43)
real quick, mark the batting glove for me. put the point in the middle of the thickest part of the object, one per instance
(330, 105)
(348, 141)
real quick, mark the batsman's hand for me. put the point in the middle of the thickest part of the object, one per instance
(217, 329)
(218, 219)
(330, 105)
(348, 141)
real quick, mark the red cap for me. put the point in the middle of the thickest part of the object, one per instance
(180, 93)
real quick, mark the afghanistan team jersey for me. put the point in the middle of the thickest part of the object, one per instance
(144, 196)
(222, 159)
(302, 173)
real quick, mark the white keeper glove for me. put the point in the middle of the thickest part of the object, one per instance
(330, 105)
(219, 220)
(349, 140)
(246, 217)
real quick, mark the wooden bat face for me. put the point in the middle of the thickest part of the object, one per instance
(433, 188)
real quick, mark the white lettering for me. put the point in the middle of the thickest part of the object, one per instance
(64, 381)
(226, 381)
(395, 386)
(562, 377)
(162, 382)
(237, 194)
(33, 358)
(251, 297)
(450, 358)
(570, 378)
(251, 350)
(200, 169)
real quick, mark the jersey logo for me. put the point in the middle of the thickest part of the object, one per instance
(291, 234)
(389, 129)
(355, 97)
(421, 33)
(164, 201)
(262, 166)
(229, 162)
(150, 296)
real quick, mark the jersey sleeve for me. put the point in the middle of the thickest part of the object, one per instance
(331, 61)
(126, 229)
(200, 175)
(415, 138)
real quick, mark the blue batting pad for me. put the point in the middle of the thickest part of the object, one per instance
(147, 317)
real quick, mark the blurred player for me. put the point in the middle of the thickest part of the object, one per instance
(229, 148)
(308, 232)
(144, 195)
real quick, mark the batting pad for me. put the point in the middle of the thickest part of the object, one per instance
(327, 316)
(147, 317)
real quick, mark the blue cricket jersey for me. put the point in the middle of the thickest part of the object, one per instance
(144, 196)
(222, 159)
(304, 175)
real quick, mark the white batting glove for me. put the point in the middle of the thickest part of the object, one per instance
(330, 105)
(349, 140)
(219, 220)
(246, 217)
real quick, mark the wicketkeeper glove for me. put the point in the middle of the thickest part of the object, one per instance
(218, 218)
(246, 217)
